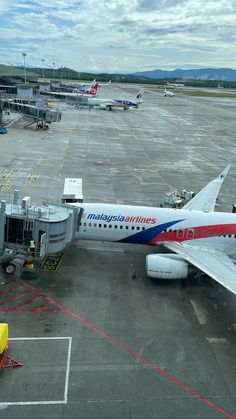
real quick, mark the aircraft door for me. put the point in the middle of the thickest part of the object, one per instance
(180, 233)
(81, 210)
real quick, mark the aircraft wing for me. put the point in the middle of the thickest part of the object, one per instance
(214, 263)
(205, 199)
(57, 94)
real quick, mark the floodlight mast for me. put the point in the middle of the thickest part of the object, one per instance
(24, 55)
(43, 67)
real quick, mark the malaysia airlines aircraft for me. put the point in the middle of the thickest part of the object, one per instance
(196, 234)
(108, 104)
(118, 103)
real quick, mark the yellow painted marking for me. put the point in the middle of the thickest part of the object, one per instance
(32, 177)
(52, 262)
(8, 175)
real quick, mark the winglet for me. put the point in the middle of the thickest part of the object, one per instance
(223, 174)
(205, 199)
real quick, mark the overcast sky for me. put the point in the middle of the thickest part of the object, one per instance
(119, 35)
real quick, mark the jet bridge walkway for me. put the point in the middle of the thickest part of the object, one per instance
(28, 233)
(39, 115)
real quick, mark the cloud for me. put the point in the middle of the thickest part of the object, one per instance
(119, 35)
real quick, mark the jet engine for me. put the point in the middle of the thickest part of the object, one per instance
(105, 106)
(166, 266)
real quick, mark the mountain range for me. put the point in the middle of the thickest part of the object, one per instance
(221, 74)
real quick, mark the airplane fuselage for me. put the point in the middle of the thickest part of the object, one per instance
(152, 226)
(120, 103)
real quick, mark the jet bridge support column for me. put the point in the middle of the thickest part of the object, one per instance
(1, 114)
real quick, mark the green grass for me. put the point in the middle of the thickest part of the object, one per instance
(208, 94)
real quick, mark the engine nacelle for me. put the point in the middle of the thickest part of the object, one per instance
(166, 266)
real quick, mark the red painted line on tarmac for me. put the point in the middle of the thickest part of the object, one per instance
(8, 282)
(44, 295)
(11, 290)
(151, 365)
(15, 297)
(43, 305)
(32, 300)
(134, 354)
(31, 311)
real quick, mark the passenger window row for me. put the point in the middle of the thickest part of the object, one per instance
(121, 227)
(201, 233)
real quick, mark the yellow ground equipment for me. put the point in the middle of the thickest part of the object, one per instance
(6, 361)
(3, 337)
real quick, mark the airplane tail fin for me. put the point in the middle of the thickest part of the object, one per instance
(205, 200)
(139, 96)
(93, 90)
(107, 84)
(94, 82)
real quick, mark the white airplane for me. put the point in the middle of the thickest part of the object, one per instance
(175, 84)
(118, 103)
(80, 85)
(104, 84)
(196, 234)
(90, 84)
(89, 90)
(168, 93)
(92, 91)
(108, 104)
(86, 83)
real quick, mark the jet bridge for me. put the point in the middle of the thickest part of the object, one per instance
(78, 100)
(50, 226)
(39, 115)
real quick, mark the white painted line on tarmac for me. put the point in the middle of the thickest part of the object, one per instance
(47, 402)
(43, 338)
(102, 249)
(217, 340)
(200, 312)
(67, 370)
(32, 403)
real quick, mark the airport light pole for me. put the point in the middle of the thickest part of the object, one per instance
(24, 55)
(54, 73)
(43, 67)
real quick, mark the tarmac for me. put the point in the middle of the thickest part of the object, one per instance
(97, 338)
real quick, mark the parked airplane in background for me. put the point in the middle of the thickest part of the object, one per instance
(86, 83)
(168, 93)
(118, 103)
(90, 84)
(105, 84)
(197, 235)
(92, 91)
(108, 104)
(173, 85)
